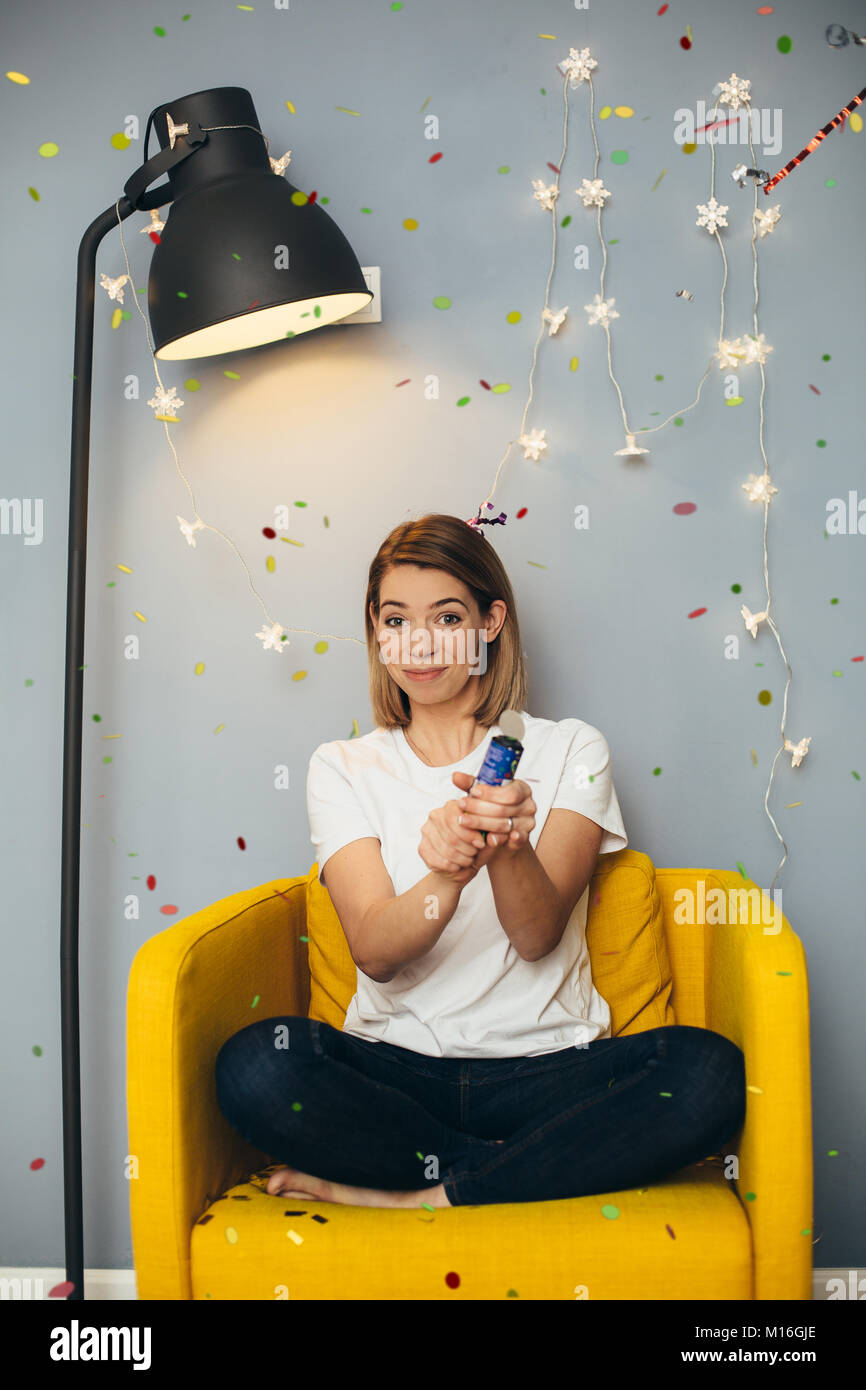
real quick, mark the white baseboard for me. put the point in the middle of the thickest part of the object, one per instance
(104, 1284)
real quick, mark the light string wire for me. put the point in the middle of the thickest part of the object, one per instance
(204, 524)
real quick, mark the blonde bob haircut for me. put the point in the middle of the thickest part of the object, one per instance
(448, 543)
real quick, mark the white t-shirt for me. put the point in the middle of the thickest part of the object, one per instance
(472, 994)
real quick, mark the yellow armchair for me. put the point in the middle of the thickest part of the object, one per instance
(734, 1226)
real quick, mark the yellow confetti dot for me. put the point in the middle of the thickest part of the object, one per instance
(689, 147)
(574, 364)
(547, 36)
(299, 198)
(18, 77)
(410, 224)
(174, 419)
(293, 1235)
(623, 111)
(117, 318)
(291, 107)
(791, 804)
(219, 728)
(289, 541)
(140, 616)
(119, 140)
(199, 667)
(271, 564)
(125, 568)
(299, 675)
(605, 112)
(514, 317)
(757, 1090)
(855, 121)
(49, 149)
(231, 1235)
(320, 647)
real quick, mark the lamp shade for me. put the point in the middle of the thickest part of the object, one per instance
(244, 257)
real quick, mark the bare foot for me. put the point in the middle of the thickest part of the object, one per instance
(291, 1182)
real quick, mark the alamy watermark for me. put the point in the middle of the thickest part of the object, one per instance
(723, 126)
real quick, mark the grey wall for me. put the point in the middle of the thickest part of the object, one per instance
(319, 420)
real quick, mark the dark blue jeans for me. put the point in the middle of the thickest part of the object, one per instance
(621, 1113)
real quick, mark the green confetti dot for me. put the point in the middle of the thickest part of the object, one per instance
(749, 1196)
(97, 718)
(37, 1050)
(28, 682)
(49, 149)
(366, 209)
(501, 388)
(396, 4)
(832, 1153)
(736, 588)
(668, 1094)
(825, 357)
(504, 169)
(764, 697)
(126, 313)
(807, 1231)
(743, 873)
(441, 302)
(659, 376)
(119, 140)
(33, 194)
(619, 157)
(784, 44)
(783, 972)
(159, 31)
(235, 256)
(317, 312)
(191, 384)
(419, 1155)
(296, 1105)
(182, 294)
(255, 1001)
(106, 760)
(822, 443)
(678, 420)
(834, 600)
(233, 376)
(299, 504)
(610, 1211)
(657, 772)
(857, 775)
(837, 673)
(614, 241)
(303, 938)
(829, 183)
(464, 400)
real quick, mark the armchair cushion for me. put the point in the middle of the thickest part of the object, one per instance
(625, 937)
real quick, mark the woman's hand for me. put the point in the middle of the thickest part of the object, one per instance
(489, 808)
(449, 848)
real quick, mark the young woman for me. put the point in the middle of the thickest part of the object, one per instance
(475, 1064)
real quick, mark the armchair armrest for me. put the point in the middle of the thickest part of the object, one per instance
(190, 988)
(757, 994)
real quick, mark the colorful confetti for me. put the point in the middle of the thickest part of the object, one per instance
(784, 44)
(697, 612)
(452, 1280)
(48, 150)
(242, 844)
(610, 1211)
(18, 77)
(658, 180)
(685, 508)
(619, 157)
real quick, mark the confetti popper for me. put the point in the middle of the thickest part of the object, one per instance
(816, 140)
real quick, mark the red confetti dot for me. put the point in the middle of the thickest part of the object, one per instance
(553, 167)
(662, 10)
(685, 508)
(40, 1163)
(814, 388)
(452, 1280)
(242, 844)
(155, 238)
(856, 658)
(485, 384)
(697, 613)
(269, 532)
(313, 196)
(168, 909)
(434, 157)
(252, 306)
(669, 1231)
(765, 9)
(62, 1290)
(404, 383)
(522, 512)
(151, 882)
(685, 42)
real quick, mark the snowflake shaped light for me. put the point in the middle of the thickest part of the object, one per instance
(712, 215)
(533, 443)
(759, 489)
(114, 287)
(593, 192)
(798, 749)
(156, 222)
(165, 403)
(755, 349)
(271, 638)
(730, 353)
(735, 92)
(278, 166)
(189, 529)
(555, 317)
(631, 450)
(601, 310)
(578, 66)
(546, 194)
(752, 619)
(767, 220)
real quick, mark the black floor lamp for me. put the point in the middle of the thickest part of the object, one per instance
(243, 259)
